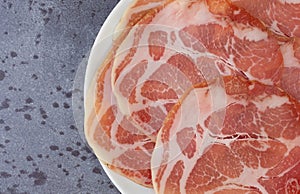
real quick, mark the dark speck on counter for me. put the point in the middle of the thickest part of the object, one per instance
(42, 44)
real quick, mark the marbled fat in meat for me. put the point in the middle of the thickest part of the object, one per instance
(250, 143)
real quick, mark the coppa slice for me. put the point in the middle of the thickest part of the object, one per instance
(281, 16)
(249, 143)
(115, 141)
(290, 80)
(153, 98)
(174, 40)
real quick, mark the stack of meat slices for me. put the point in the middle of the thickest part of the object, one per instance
(201, 96)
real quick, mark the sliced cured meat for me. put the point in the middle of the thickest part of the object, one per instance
(244, 137)
(140, 10)
(281, 179)
(290, 80)
(236, 14)
(157, 62)
(140, 13)
(226, 134)
(249, 49)
(281, 16)
(114, 140)
(149, 102)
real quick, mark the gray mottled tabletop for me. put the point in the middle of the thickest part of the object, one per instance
(42, 43)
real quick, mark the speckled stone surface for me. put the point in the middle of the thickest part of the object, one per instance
(42, 42)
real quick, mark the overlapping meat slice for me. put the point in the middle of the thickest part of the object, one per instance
(151, 100)
(115, 141)
(242, 41)
(290, 80)
(156, 63)
(290, 46)
(241, 138)
(281, 16)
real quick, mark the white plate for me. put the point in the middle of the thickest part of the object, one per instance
(98, 53)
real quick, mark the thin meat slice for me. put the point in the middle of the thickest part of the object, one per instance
(159, 61)
(241, 41)
(114, 139)
(140, 13)
(240, 138)
(229, 135)
(290, 80)
(281, 16)
(149, 101)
